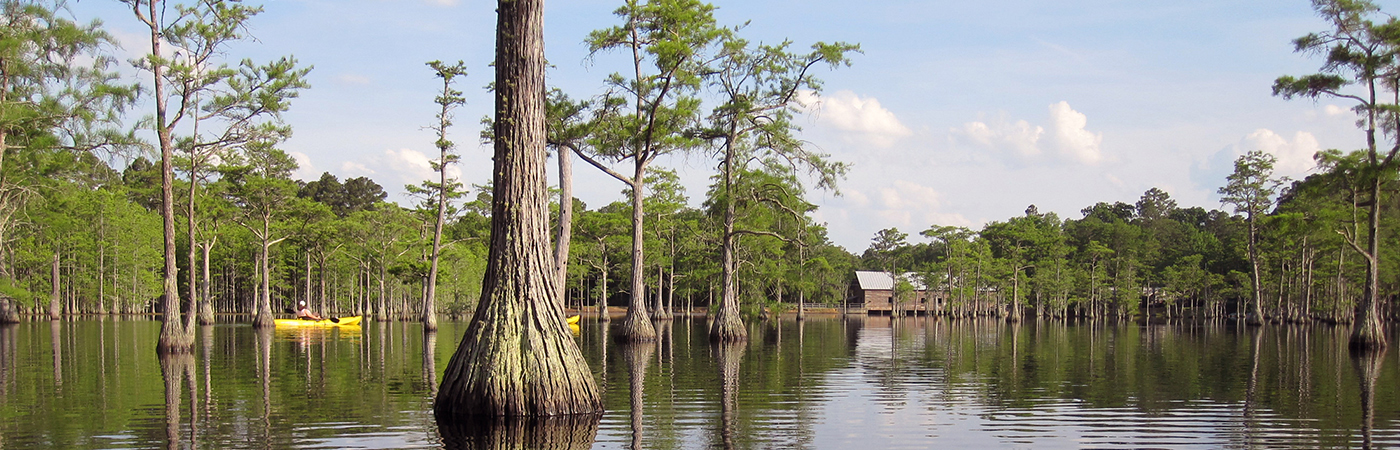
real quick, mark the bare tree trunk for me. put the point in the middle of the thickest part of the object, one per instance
(1366, 332)
(173, 338)
(381, 312)
(206, 303)
(55, 307)
(565, 234)
(728, 326)
(518, 357)
(262, 317)
(660, 312)
(603, 299)
(1015, 313)
(636, 326)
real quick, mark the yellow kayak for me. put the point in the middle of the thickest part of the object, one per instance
(352, 321)
(573, 320)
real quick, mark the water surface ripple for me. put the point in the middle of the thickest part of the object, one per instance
(825, 383)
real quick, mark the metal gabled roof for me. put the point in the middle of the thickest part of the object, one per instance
(868, 280)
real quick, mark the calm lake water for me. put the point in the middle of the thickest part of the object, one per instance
(864, 383)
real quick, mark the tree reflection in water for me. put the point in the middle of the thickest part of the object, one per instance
(264, 339)
(430, 361)
(56, 337)
(544, 433)
(7, 363)
(728, 355)
(1368, 369)
(176, 369)
(638, 356)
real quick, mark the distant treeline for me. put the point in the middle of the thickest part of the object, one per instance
(1154, 257)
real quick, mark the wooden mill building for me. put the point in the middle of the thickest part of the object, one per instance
(873, 292)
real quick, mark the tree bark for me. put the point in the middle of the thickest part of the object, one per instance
(603, 299)
(659, 312)
(206, 304)
(518, 357)
(1256, 312)
(173, 338)
(55, 307)
(728, 326)
(636, 326)
(565, 233)
(262, 317)
(1366, 332)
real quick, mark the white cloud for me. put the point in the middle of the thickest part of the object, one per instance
(861, 117)
(412, 166)
(1069, 137)
(857, 197)
(915, 207)
(1019, 138)
(1295, 158)
(1066, 138)
(305, 169)
(1334, 110)
(355, 168)
(409, 164)
(1115, 181)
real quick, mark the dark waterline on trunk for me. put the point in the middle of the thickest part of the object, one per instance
(820, 383)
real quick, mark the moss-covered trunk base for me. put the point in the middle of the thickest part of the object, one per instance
(263, 319)
(8, 313)
(1367, 335)
(517, 359)
(728, 327)
(636, 327)
(174, 340)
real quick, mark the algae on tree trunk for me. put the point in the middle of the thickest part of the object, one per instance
(518, 358)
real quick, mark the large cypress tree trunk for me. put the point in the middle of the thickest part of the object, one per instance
(728, 326)
(636, 326)
(1366, 332)
(518, 357)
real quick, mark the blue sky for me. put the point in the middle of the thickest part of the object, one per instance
(957, 113)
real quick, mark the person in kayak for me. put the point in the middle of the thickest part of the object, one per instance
(304, 312)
